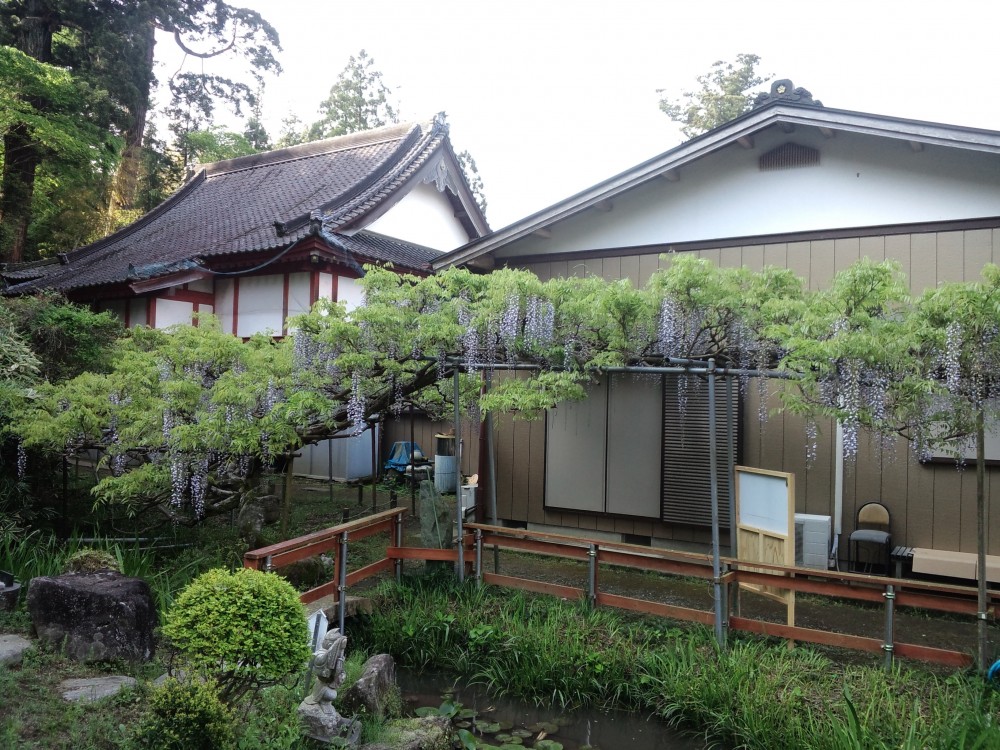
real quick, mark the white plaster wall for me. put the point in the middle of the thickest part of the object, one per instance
(860, 181)
(423, 216)
(171, 312)
(260, 304)
(224, 303)
(350, 292)
(298, 293)
(137, 312)
(325, 290)
(200, 285)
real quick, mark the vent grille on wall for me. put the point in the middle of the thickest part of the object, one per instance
(789, 156)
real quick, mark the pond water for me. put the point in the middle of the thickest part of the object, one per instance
(574, 730)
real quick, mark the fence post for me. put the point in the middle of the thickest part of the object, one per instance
(479, 556)
(592, 575)
(342, 583)
(398, 528)
(890, 600)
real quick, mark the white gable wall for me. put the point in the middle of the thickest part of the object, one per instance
(425, 217)
(860, 181)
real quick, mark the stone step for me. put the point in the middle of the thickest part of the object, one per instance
(89, 689)
(12, 648)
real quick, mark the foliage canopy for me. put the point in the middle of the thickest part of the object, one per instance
(725, 93)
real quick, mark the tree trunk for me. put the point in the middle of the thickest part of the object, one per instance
(21, 160)
(126, 183)
(21, 154)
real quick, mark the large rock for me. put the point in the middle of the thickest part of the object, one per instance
(94, 616)
(375, 693)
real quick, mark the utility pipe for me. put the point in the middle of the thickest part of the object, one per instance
(458, 478)
(713, 463)
(838, 492)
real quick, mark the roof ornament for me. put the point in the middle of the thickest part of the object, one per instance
(783, 90)
(315, 222)
(440, 121)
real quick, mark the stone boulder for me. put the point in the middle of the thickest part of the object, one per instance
(375, 693)
(94, 616)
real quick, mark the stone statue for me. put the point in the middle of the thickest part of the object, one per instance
(328, 666)
(319, 718)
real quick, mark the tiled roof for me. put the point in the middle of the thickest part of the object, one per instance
(256, 203)
(368, 247)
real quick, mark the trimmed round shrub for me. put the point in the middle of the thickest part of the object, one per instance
(244, 629)
(186, 716)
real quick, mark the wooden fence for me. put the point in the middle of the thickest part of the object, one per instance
(888, 592)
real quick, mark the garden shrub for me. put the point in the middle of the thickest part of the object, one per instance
(245, 629)
(90, 560)
(186, 716)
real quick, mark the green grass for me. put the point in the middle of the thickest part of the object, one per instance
(755, 694)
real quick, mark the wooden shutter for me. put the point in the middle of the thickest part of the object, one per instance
(686, 483)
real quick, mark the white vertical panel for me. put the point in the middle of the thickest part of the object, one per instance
(575, 452)
(224, 304)
(200, 285)
(298, 293)
(635, 435)
(137, 312)
(350, 291)
(172, 312)
(326, 286)
(260, 304)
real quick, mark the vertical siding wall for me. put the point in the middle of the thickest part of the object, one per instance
(932, 505)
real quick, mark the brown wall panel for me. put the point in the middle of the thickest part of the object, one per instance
(846, 252)
(630, 269)
(776, 255)
(920, 505)
(967, 501)
(714, 256)
(874, 248)
(612, 270)
(978, 252)
(897, 248)
(799, 257)
(947, 488)
(923, 263)
(648, 264)
(730, 257)
(753, 257)
(932, 505)
(950, 257)
(821, 264)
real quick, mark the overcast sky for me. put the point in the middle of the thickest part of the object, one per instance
(553, 96)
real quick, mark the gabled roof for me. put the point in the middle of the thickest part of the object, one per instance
(780, 112)
(267, 202)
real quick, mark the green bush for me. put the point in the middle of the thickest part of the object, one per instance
(186, 716)
(245, 629)
(90, 560)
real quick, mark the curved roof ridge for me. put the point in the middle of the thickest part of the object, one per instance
(405, 168)
(312, 148)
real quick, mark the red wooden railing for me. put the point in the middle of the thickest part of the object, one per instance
(890, 592)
